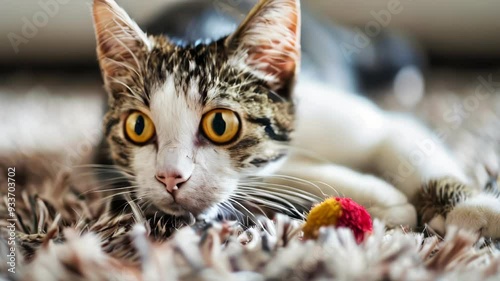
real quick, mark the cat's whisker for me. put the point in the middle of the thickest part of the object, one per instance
(109, 180)
(254, 200)
(280, 197)
(94, 174)
(284, 199)
(95, 166)
(247, 200)
(106, 198)
(339, 194)
(257, 202)
(306, 152)
(81, 170)
(109, 185)
(145, 204)
(302, 181)
(237, 214)
(107, 190)
(280, 176)
(289, 190)
(226, 207)
(249, 214)
(278, 202)
(103, 168)
(275, 202)
(136, 210)
(126, 174)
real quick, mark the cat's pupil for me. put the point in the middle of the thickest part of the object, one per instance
(139, 125)
(218, 124)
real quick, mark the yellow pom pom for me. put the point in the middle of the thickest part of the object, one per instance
(326, 213)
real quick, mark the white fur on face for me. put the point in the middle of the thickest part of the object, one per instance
(176, 117)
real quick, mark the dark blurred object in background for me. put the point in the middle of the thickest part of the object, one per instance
(329, 51)
(457, 33)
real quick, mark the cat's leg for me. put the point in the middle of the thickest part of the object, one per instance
(381, 199)
(352, 131)
(410, 155)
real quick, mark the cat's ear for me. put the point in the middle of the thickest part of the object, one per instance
(268, 43)
(120, 41)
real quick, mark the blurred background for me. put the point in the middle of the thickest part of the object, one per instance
(436, 59)
(446, 28)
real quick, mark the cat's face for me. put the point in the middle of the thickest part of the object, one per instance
(188, 122)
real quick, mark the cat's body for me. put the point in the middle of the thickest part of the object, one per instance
(190, 124)
(373, 152)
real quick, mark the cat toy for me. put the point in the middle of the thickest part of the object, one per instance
(338, 212)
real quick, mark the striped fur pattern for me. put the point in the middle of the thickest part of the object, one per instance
(440, 196)
(447, 201)
(251, 72)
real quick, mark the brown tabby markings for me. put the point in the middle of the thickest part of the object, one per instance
(267, 116)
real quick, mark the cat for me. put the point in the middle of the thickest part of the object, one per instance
(192, 126)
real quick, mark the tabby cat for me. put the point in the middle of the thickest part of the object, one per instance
(195, 126)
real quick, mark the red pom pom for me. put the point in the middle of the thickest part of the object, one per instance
(355, 217)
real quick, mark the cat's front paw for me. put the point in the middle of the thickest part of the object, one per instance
(446, 201)
(439, 196)
(480, 214)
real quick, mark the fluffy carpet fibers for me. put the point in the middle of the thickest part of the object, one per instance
(63, 232)
(63, 235)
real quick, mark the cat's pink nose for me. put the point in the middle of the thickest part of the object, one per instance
(172, 181)
(174, 167)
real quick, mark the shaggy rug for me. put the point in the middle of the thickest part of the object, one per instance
(64, 235)
(61, 229)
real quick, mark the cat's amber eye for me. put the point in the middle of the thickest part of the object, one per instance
(139, 128)
(220, 126)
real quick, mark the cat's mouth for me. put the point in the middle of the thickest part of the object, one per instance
(175, 209)
(179, 209)
(201, 193)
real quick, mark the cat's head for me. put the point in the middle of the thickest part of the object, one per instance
(187, 122)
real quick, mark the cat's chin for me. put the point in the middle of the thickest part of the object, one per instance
(175, 210)
(178, 211)
(180, 215)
